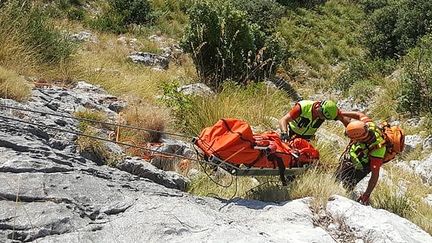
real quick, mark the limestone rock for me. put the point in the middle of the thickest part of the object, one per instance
(375, 225)
(149, 59)
(199, 89)
(412, 142)
(83, 36)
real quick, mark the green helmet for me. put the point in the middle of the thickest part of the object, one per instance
(329, 109)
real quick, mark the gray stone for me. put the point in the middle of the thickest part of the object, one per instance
(351, 105)
(412, 142)
(171, 146)
(190, 219)
(83, 36)
(413, 122)
(428, 200)
(360, 188)
(149, 59)
(375, 225)
(199, 89)
(146, 170)
(423, 168)
(427, 143)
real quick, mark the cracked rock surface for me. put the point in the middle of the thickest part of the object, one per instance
(49, 193)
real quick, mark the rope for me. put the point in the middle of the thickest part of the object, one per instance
(103, 139)
(200, 161)
(93, 121)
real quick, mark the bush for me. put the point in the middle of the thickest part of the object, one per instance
(301, 3)
(51, 45)
(12, 86)
(224, 45)
(322, 38)
(360, 70)
(396, 26)
(122, 13)
(265, 13)
(415, 95)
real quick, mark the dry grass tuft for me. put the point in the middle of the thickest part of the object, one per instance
(13, 86)
(403, 193)
(89, 147)
(317, 184)
(229, 186)
(144, 116)
(105, 63)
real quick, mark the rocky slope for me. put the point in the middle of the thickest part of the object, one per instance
(51, 193)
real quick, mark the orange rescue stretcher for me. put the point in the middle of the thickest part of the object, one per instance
(231, 144)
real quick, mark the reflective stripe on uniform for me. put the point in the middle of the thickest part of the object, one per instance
(360, 152)
(304, 124)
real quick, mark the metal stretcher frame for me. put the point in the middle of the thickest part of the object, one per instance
(251, 171)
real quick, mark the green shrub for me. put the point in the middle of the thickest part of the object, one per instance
(371, 5)
(132, 11)
(415, 94)
(122, 13)
(265, 13)
(361, 69)
(301, 3)
(362, 91)
(322, 37)
(395, 26)
(225, 45)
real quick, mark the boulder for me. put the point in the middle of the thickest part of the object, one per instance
(171, 146)
(83, 36)
(412, 142)
(427, 143)
(375, 225)
(423, 168)
(149, 59)
(428, 200)
(199, 89)
(144, 169)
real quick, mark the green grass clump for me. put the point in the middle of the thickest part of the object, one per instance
(257, 104)
(13, 86)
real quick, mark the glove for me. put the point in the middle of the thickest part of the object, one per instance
(284, 136)
(364, 199)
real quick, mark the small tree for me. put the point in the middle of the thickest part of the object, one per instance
(416, 92)
(265, 13)
(225, 45)
(121, 13)
(395, 26)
